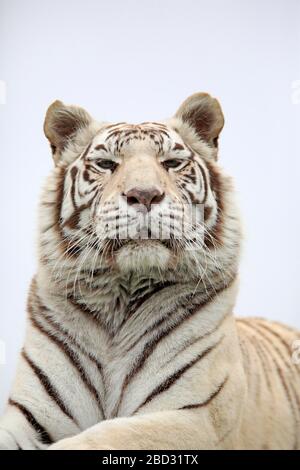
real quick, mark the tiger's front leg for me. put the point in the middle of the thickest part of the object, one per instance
(53, 378)
(212, 423)
(180, 429)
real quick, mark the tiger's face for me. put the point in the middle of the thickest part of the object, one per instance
(138, 197)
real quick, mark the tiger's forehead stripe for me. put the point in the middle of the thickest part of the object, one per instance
(140, 130)
(115, 137)
(164, 139)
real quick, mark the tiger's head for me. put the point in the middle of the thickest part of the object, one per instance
(139, 198)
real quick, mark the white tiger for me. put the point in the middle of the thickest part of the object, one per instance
(131, 342)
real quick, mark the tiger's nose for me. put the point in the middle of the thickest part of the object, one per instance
(144, 197)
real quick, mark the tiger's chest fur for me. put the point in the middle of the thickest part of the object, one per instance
(160, 326)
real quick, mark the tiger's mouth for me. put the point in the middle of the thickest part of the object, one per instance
(137, 233)
(113, 246)
(141, 255)
(145, 241)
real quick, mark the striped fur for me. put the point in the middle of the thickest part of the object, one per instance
(131, 343)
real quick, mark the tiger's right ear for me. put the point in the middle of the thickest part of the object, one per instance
(62, 123)
(204, 115)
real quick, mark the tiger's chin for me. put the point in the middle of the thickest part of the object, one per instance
(143, 256)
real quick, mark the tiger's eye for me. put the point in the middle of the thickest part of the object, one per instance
(107, 164)
(172, 163)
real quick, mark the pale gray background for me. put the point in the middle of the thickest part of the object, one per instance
(137, 60)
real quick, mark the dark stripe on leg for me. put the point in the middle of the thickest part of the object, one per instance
(46, 383)
(73, 358)
(40, 430)
(62, 331)
(208, 400)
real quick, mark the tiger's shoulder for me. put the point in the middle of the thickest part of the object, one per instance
(261, 325)
(269, 337)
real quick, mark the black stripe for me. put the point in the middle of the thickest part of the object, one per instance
(88, 355)
(14, 439)
(72, 356)
(204, 177)
(192, 196)
(61, 330)
(46, 383)
(41, 431)
(93, 315)
(217, 185)
(193, 340)
(86, 151)
(148, 350)
(139, 300)
(191, 310)
(153, 342)
(176, 376)
(208, 400)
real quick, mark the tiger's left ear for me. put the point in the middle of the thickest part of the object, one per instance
(204, 115)
(62, 122)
